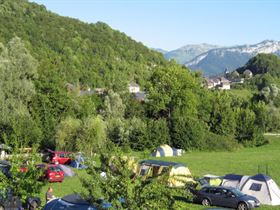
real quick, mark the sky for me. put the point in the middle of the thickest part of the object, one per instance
(170, 24)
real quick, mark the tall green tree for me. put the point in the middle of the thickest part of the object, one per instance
(18, 69)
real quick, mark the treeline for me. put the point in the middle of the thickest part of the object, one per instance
(265, 86)
(53, 51)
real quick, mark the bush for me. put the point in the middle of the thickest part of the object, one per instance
(214, 142)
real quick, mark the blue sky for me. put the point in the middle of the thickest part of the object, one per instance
(169, 24)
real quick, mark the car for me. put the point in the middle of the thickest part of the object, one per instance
(225, 197)
(53, 173)
(57, 157)
(73, 202)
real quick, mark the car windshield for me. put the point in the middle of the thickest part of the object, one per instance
(237, 192)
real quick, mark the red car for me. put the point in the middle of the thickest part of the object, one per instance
(58, 157)
(53, 173)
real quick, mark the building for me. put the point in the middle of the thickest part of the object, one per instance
(133, 87)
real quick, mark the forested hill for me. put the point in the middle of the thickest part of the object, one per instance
(47, 60)
(92, 54)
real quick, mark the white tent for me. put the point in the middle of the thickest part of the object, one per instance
(263, 188)
(167, 151)
(234, 180)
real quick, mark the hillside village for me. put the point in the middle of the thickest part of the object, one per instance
(229, 78)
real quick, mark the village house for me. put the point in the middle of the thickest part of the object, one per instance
(220, 83)
(133, 87)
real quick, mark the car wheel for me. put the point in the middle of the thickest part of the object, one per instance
(205, 202)
(242, 206)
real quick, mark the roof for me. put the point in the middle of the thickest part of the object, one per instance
(75, 199)
(211, 176)
(260, 177)
(58, 152)
(133, 84)
(236, 177)
(159, 163)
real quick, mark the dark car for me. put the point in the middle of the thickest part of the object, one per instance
(72, 202)
(225, 197)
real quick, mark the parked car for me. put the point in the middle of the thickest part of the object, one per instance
(57, 157)
(225, 197)
(73, 202)
(53, 173)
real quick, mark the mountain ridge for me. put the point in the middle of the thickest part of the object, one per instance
(215, 61)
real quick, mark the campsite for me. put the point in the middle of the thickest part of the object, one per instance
(246, 161)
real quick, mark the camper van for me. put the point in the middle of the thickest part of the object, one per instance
(179, 174)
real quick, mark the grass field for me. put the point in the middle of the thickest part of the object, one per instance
(245, 161)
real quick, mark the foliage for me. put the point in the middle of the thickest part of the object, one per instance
(23, 184)
(119, 186)
(17, 72)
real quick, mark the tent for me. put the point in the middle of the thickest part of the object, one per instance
(167, 151)
(179, 174)
(234, 180)
(263, 188)
(68, 172)
(213, 180)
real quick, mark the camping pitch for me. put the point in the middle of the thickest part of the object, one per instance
(263, 188)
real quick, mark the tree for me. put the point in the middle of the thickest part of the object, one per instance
(121, 188)
(137, 134)
(157, 133)
(186, 132)
(114, 107)
(18, 69)
(66, 134)
(222, 119)
(92, 135)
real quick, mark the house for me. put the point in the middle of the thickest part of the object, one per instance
(248, 74)
(216, 82)
(209, 83)
(99, 91)
(225, 85)
(133, 87)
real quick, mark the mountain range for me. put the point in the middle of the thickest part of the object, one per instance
(188, 52)
(216, 59)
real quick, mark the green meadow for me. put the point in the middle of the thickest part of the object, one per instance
(247, 161)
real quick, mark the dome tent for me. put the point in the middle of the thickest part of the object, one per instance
(179, 174)
(166, 151)
(263, 188)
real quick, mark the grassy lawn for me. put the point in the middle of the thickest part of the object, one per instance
(245, 161)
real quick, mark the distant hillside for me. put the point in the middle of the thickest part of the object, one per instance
(188, 52)
(94, 55)
(216, 61)
(262, 64)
